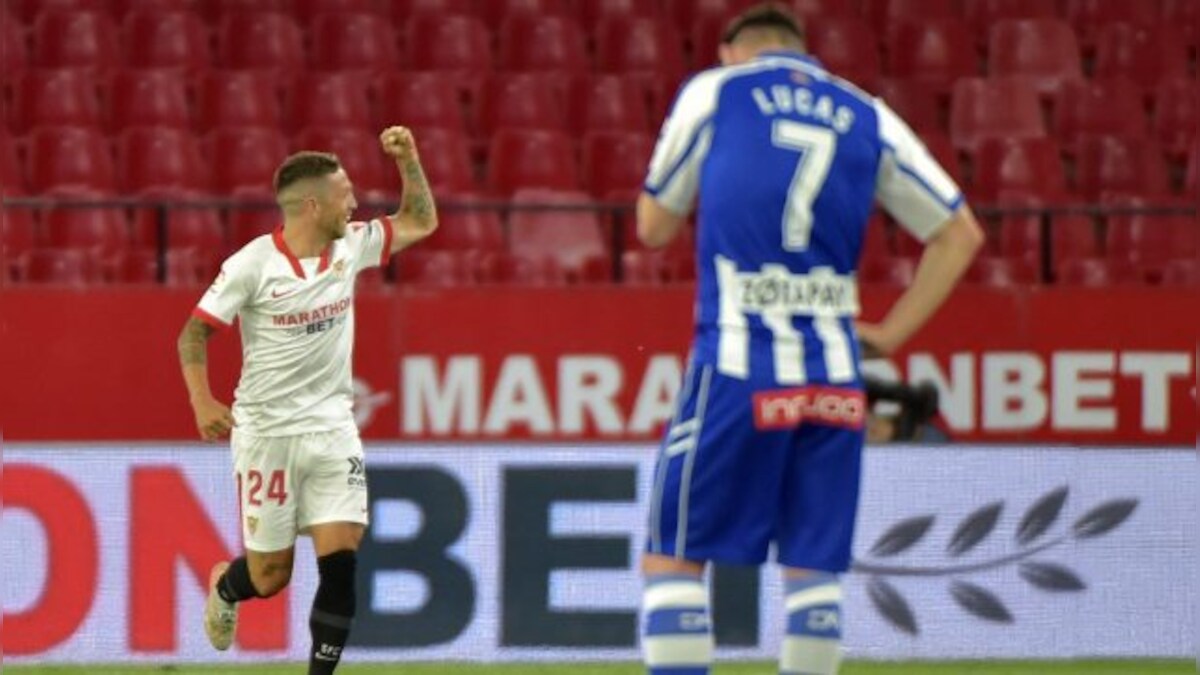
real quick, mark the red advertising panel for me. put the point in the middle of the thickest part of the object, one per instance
(603, 363)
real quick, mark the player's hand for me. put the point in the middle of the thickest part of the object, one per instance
(213, 418)
(398, 143)
(876, 340)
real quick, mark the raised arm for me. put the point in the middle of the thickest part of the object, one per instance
(213, 418)
(417, 216)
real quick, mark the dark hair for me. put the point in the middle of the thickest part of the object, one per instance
(306, 164)
(767, 15)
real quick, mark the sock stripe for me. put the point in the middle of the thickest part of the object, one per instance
(331, 620)
(684, 621)
(679, 594)
(825, 594)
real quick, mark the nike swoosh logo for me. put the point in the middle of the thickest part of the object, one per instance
(277, 294)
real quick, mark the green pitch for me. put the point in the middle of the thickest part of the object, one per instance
(911, 668)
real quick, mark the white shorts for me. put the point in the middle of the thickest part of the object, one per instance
(287, 484)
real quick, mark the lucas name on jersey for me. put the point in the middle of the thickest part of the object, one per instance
(785, 100)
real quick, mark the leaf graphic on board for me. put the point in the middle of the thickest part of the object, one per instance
(1104, 518)
(901, 536)
(975, 528)
(1041, 516)
(1051, 577)
(892, 605)
(980, 602)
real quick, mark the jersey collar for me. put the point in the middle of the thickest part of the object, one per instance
(807, 59)
(277, 238)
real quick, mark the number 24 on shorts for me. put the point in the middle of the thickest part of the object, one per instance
(276, 488)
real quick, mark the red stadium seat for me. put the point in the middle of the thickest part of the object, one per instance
(994, 108)
(466, 223)
(916, 103)
(705, 39)
(1177, 115)
(152, 158)
(605, 103)
(1148, 238)
(1071, 235)
(615, 161)
(253, 214)
(54, 98)
(629, 44)
(344, 7)
(421, 100)
(131, 267)
(529, 42)
(1145, 54)
(245, 158)
(889, 271)
(688, 12)
(1182, 273)
(260, 41)
(12, 177)
(335, 100)
(449, 43)
(571, 237)
(190, 267)
(1086, 108)
(889, 16)
(142, 98)
(1043, 50)
(1117, 166)
(237, 98)
(1088, 16)
(123, 8)
(215, 11)
(518, 101)
(28, 10)
(432, 268)
(1002, 272)
(69, 158)
(814, 9)
(73, 223)
(495, 12)
(403, 10)
(74, 39)
(1192, 180)
(942, 149)
(1186, 15)
(60, 267)
(1030, 166)
(846, 46)
(981, 14)
(656, 267)
(935, 53)
(531, 159)
(446, 157)
(372, 174)
(592, 12)
(1093, 273)
(166, 39)
(360, 42)
(14, 54)
(877, 244)
(18, 233)
(187, 226)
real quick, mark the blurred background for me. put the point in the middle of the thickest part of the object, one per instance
(532, 340)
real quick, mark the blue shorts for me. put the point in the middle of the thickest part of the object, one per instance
(742, 466)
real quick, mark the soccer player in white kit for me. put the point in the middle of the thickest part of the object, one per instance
(296, 450)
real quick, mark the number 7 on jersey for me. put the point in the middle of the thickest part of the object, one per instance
(815, 146)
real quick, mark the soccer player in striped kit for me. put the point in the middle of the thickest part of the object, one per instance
(296, 450)
(783, 162)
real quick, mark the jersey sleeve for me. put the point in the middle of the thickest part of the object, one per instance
(229, 292)
(370, 243)
(911, 185)
(683, 143)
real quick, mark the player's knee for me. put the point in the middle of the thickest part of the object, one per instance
(270, 577)
(336, 592)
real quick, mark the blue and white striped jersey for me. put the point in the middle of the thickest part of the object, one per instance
(785, 161)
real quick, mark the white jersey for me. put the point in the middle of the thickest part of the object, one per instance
(297, 327)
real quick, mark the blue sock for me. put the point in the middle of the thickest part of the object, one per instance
(676, 631)
(812, 645)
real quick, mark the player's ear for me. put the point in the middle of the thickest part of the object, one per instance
(725, 52)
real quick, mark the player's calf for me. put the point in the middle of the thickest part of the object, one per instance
(676, 631)
(812, 644)
(332, 612)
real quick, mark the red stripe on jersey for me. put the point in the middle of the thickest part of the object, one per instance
(324, 264)
(387, 241)
(209, 319)
(277, 237)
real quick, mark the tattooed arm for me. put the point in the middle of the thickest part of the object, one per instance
(417, 217)
(213, 418)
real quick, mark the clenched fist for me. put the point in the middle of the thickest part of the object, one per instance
(398, 143)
